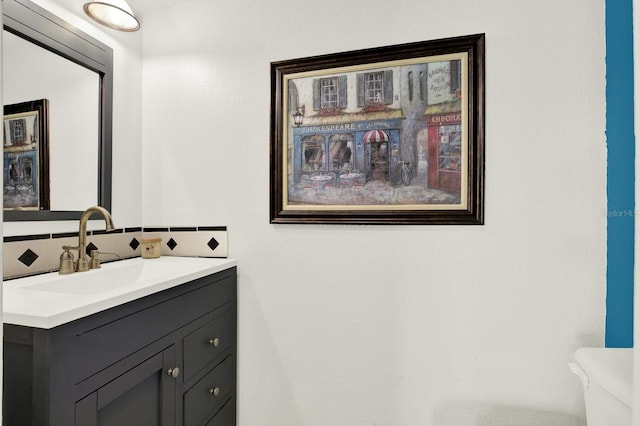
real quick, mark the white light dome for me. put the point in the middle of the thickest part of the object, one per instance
(114, 14)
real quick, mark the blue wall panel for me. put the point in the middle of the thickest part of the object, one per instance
(620, 173)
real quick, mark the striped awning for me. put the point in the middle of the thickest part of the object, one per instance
(375, 136)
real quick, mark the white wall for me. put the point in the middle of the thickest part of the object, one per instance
(397, 326)
(127, 123)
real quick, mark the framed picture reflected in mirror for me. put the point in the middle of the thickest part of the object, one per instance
(26, 156)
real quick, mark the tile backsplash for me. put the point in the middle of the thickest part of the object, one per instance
(36, 254)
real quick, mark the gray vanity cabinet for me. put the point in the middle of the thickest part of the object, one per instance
(165, 359)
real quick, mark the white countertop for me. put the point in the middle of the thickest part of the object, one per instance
(50, 300)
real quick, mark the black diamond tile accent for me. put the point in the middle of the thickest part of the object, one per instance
(134, 244)
(28, 257)
(172, 244)
(90, 247)
(213, 244)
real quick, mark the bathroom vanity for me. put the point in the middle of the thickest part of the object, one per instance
(158, 350)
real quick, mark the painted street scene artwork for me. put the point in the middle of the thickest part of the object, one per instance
(21, 148)
(388, 134)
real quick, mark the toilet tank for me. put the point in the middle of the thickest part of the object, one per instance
(607, 379)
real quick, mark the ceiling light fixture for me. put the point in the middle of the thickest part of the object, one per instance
(115, 14)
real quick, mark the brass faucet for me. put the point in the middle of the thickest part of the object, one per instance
(82, 264)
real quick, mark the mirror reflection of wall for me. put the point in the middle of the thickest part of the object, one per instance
(31, 72)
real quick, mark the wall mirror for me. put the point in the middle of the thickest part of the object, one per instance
(45, 57)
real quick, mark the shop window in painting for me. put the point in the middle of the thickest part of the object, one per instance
(341, 152)
(313, 153)
(450, 148)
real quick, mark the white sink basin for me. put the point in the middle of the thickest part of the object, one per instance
(49, 300)
(112, 277)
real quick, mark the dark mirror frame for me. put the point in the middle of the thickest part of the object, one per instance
(39, 26)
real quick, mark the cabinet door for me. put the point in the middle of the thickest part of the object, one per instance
(143, 396)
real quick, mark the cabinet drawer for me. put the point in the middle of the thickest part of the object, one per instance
(207, 343)
(143, 327)
(208, 394)
(225, 417)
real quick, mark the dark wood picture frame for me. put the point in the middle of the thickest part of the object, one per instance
(26, 156)
(386, 136)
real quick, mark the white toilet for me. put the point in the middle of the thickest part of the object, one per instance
(607, 379)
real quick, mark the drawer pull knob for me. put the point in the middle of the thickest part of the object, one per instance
(214, 342)
(174, 372)
(214, 391)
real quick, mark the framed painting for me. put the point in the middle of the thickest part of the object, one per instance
(26, 156)
(390, 135)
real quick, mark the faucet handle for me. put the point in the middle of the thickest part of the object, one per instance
(67, 265)
(95, 259)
